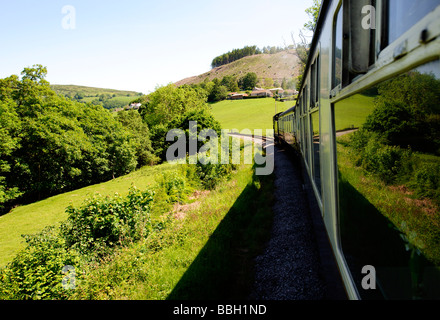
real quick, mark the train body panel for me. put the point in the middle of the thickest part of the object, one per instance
(373, 69)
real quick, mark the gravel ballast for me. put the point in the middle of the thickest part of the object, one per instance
(289, 267)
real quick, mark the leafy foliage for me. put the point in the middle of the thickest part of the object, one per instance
(50, 144)
(234, 55)
(407, 112)
(404, 123)
(140, 136)
(103, 222)
(313, 13)
(167, 103)
(172, 108)
(249, 81)
(36, 272)
(89, 233)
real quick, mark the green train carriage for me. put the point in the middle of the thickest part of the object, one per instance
(367, 126)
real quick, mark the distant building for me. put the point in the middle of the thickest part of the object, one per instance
(134, 106)
(237, 96)
(275, 90)
(261, 93)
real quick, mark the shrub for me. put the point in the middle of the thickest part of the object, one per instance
(360, 138)
(36, 272)
(388, 162)
(103, 222)
(174, 185)
(211, 174)
(426, 181)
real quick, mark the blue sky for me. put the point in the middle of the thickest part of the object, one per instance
(137, 45)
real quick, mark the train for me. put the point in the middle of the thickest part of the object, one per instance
(366, 125)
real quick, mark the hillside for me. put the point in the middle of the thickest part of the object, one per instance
(108, 98)
(276, 66)
(89, 91)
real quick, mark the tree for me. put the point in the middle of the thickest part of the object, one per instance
(204, 119)
(249, 81)
(140, 136)
(218, 92)
(50, 144)
(234, 55)
(268, 82)
(302, 47)
(231, 83)
(407, 112)
(9, 141)
(313, 13)
(167, 102)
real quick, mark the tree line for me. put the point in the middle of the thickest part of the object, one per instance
(237, 54)
(51, 144)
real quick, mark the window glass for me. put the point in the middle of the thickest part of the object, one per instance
(403, 14)
(315, 150)
(317, 82)
(306, 138)
(312, 85)
(388, 156)
(337, 60)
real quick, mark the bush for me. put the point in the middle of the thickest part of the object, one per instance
(174, 185)
(387, 162)
(36, 272)
(426, 181)
(103, 222)
(211, 174)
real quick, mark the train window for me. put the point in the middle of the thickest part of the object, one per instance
(403, 14)
(388, 159)
(316, 150)
(362, 32)
(306, 125)
(312, 85)
(306, 138)
(337, 50)
(314, 88)
(317, 80)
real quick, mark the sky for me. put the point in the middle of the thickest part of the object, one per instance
(137, 45)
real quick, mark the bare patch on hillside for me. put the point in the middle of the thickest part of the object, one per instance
(277, 66)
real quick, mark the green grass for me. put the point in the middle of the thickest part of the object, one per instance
(417, 218)
(206, 254)
(352, 112)
(248, 114)
(34, 217)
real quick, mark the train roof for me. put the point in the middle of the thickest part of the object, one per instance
(287, 111)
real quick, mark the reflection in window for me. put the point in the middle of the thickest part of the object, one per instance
(306, 138)
(388, 153)
(337, 61)
(316, 155)
(403, 14)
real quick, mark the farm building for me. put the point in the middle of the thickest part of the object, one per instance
(261, 93)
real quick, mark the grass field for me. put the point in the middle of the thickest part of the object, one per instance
(352, 112)
(413, 216)
(206, 253)
(248, 114)
(34, 217)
